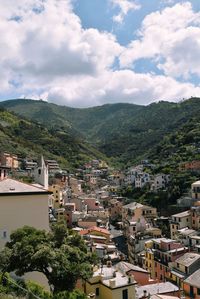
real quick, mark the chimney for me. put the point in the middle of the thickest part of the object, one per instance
(145, 294)
(131, 279)
(112, 283)
(91, 296)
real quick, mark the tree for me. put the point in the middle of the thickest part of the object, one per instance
(60, 255)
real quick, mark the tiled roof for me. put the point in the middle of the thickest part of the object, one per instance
(94, 228)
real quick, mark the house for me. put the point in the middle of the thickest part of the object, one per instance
(23, 204)
(57, 196)
(196, 190)
(184, 266)
(53, 166)
(136, 215)
(136, 243)
(164, 288)
(160, 181)
(96, 232)
(9, 160)
(184, 235)
(195, 213)
(115, 209)
(108, 282)
(141, 276)
(3, 172)
(191, 285)
(179, 221)
(159, 253)
(142, 179)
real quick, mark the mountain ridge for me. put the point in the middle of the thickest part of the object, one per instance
(123, 132)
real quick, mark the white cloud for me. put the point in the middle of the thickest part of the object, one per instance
(125, 6)
(46, 53)
(171, 38)
(120, 86)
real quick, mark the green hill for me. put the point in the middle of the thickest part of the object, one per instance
(31, 139)
(124, 132)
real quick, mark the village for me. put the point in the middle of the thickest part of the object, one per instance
(137, 258)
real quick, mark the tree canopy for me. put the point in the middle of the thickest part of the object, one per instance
(60, 255)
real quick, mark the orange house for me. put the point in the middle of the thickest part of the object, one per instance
(191, 286)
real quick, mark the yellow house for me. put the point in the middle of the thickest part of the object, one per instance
(109, 283)
(57, 196)
(149, 258)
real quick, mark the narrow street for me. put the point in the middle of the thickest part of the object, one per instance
(119, 239)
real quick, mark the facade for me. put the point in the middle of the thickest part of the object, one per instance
(57, 196)
(195, 214)
(108, 282)
(142, 179)
(21, 204)
(196, 190)
(159, 253)
(136, 215)
(115, 209)
(9, 160)
(160, 181)
(191, 286)
(4, 172)
(179, 221)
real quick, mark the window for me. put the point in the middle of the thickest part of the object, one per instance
(4, 234)
(198, 291)
(97, 291)
(125, 294)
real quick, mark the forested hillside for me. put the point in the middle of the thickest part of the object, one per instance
(31, 139)
(124, 132)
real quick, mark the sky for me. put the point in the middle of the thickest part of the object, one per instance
(84, 53)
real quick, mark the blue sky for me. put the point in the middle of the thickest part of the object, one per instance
(84, 53)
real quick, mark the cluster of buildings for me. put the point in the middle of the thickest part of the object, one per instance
(153, 266)
(139, 177)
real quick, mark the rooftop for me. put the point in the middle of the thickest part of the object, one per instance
(157, 288)
(197, 183)
(134, 205)
(126, 267)
(188, 259)
(13, 186)
(194, 279)
(186, 231)
(109, 274)
(95, 228)
(182, 214)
